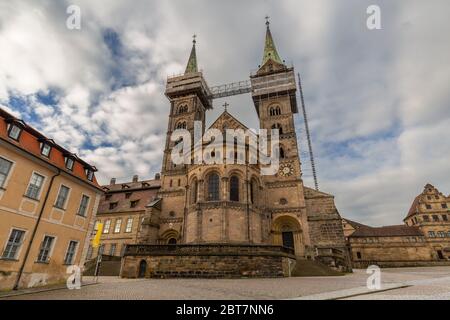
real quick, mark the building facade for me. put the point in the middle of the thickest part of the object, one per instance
(236, 204)
(423, 239)
(48, 199)
(121, 210)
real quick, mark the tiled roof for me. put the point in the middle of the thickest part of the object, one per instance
(30, 141)
(414, 207)
(145, 192)
(355, 224)
(153, 183)
(387, 231)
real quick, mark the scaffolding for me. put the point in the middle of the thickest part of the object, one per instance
(231, 89)
(270, 87)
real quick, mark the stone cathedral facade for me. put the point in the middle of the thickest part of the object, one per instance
(212, 206)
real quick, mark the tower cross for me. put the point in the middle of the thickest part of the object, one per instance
(267, 19)
(193, 38)
(225, 105)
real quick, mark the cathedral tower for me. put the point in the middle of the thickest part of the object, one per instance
(273, 93)
(189, 98)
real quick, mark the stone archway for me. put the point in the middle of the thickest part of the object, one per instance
(286, 231)
(170, 236)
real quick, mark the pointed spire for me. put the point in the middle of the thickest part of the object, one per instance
(270, 51)
(192, 62)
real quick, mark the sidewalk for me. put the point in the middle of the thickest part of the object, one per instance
(25, 291)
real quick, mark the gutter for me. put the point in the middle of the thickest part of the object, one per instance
(25, 259)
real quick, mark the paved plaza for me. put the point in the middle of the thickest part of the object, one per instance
(400, 283)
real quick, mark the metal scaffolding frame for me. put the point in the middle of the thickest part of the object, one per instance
(242, 87)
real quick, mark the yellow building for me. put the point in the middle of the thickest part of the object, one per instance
(48, 200)
(121, 210)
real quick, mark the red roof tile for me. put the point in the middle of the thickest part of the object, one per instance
(387, 231)
(29, 141)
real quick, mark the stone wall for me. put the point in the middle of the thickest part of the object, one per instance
(208, 261)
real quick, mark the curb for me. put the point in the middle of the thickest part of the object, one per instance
(352, 292)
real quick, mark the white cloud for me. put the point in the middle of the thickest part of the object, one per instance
(378, 101)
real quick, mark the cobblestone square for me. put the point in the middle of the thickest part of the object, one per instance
(399, 283)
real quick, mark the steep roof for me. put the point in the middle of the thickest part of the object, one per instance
(387, 231)
(229, 119)
(123, 194)
(30, 141)
(312, 193)
(192, 62)
(355, 224)
(414, 207)
(270, 51)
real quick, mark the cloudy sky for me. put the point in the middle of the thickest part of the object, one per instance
(378, 100)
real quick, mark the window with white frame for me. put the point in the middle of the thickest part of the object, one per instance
(13, 245)
(90, 174)
(83, 205)
(106, 226)
(14, 132)
(35, 186)
(71, 250)
(45, 149)
(118, 225)
(129, 225)
(45, 250)
(5, 167)
(63, 194)
(69, 163)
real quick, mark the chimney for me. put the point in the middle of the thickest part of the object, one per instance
(157, 176)
(135, 178)
(113, 181)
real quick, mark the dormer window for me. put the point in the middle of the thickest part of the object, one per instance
(69, 163)
(112, 205)
(134, 203)
(45, 149)
(90, 174)
(14, 131)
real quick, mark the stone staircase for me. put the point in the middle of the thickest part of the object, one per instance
(313, 268)
(109, 266)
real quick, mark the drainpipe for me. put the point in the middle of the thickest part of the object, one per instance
(25, 259)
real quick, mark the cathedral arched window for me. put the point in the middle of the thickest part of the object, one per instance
(274, 111)
(279, 127)
(181, 125)
(234, 188)
(182, 109)
(277, 110)
(213, 187)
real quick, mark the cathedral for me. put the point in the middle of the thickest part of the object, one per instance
(228, 210)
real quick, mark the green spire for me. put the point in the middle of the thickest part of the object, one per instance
(192, 62)
(270, 51)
